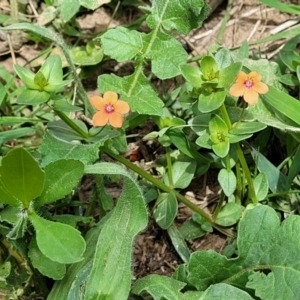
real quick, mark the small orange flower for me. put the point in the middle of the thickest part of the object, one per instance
(110, 109)
(249, 86)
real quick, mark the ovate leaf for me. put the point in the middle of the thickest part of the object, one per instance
(21, 176)
(59, 242)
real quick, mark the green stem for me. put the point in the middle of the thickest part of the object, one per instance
(219, 206)
(169, 164)
(159, 184)
(71, 124)
(239, 186)
(241, 157)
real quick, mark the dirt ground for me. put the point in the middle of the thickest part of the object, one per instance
(246, 20)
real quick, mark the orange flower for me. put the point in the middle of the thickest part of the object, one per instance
(110, 109)
(249, 86)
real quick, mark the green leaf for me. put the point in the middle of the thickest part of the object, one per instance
(6, 136)
(227, 181)
(136, 91)
(179, 243)
(46, 266)
(266, 249)
(53, 149)
(228, 75)
(229, 214)
(52, 69)
(211, 100)
(163, 64)
(121, 43)
(261, 186)
(32, 97)
(192, 74)
(26, 76)
(112, 264)
(283, 103)
(12, 120)
(165, 210)
(82, 57)
(247, 127)
(209, 68)
(21, 176)
(159, 286)
(277, 181)
(93, 4)
(294, 168)
(223, 58)
(68, 9)
(289, 8)
(64, 106)
(191, 230)
(40, 80)
(182, 174)
(182, 16)
(57, 183)
(59, 242)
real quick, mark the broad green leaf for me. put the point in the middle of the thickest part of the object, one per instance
(165, 210)
(223, 58)
(121, 43)
(217, 125)
(61, 177)
(68, 9)
(59, 242)
(65, 106)
(46, 266)
(33, 97)
(93, 4)
(276, 180)
(243, 51)
(229, 214)
(179, 243)
(76, 276)
(228, 75)
(134, 89)
(261, 186)
(52, 69)
(182, 174)
(192, 74)
(53, 149)
(222, 148)
(247, 127)
(227, 180)
(211, 100)
(19, 227)
(12, 120)
(12, 134)
(159, 286)
(182, 16)
(263, 244)
(224, 291)
(163, 64)
(21, 176)
(112, 262)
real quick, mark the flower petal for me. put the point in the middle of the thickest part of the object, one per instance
(97, 102)
(260, 87)
(256, 77)
(111, 97)
(122, 107)
(237, 90)
(115, 120)
(251, 96)
(100, 118)
(241, 78)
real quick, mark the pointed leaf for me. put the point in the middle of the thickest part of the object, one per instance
(227, 180)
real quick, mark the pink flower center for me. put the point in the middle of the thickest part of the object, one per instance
(109, 108)
(248, 83)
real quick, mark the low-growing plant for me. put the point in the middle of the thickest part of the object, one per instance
(223, 113)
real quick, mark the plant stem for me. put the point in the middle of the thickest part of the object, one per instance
(169, 164)
(241, 157)
(159, 184)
